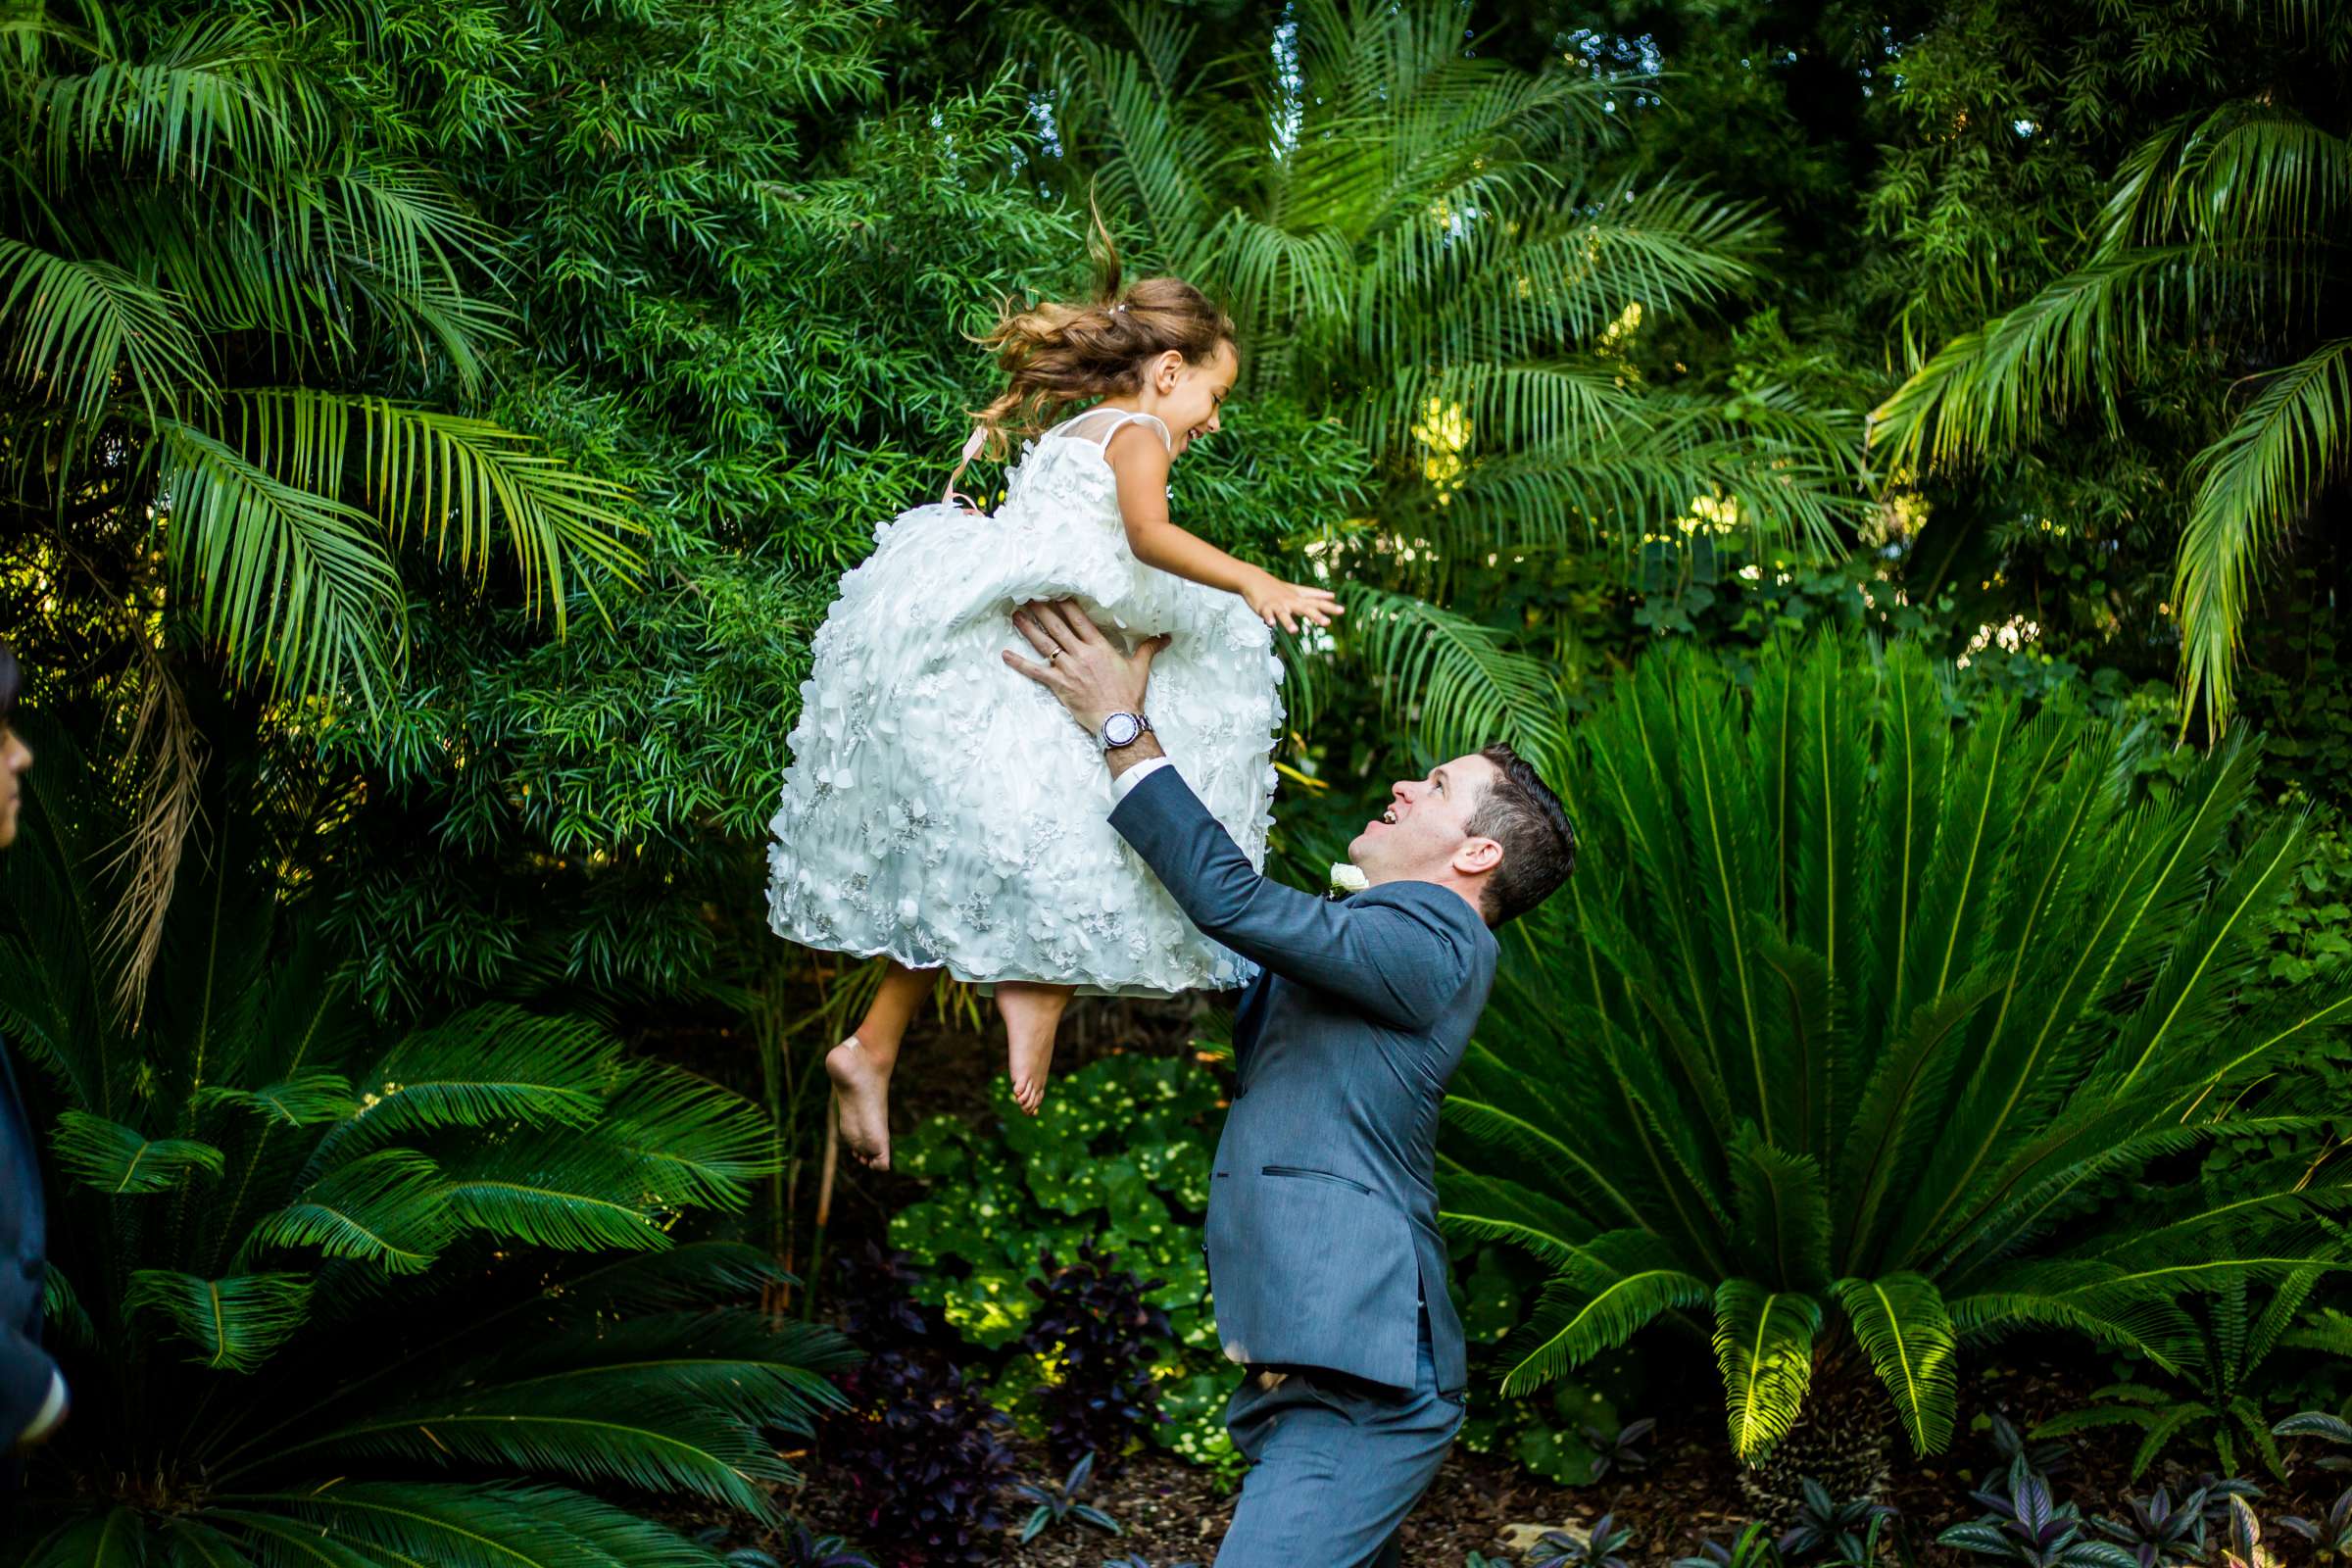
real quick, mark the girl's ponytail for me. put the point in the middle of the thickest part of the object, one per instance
(1055, 354)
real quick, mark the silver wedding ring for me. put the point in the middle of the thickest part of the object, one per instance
(1055, 654)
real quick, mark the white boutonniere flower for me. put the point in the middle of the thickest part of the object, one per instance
(1346, 879)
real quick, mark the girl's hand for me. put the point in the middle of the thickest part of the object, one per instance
(1289, 602)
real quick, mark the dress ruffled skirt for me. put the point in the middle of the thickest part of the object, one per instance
(944, 809)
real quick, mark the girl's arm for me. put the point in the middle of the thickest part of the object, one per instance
(1140, 464)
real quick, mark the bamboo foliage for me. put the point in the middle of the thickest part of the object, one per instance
(1854, 1003)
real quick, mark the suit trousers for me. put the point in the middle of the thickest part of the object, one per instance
(1335, 1465)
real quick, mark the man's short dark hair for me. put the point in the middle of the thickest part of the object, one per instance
(1539, 843)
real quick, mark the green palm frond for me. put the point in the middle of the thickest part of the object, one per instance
(474, 1526)
(390, 1208)
(1764, 1349)
(657, 1443)
(690, 1141)
(2253, 486)
(214, 94)
(1610, 1290)
(113, 1158)
(2003, 384)
(305, 1099)
(283, 578)
(235, 1323)
(73, 324)
(1465, 687)
(1901, 1322)
(561, 1189)
(2243, 171)
(446, 477)
(1783, 1210)
(487, 1065)
(737, 1361)
(1488, 1208)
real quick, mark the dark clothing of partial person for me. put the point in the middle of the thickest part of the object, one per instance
(27, 1372)
(1324, 1255)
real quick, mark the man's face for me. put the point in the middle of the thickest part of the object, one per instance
(14, 757)
(1427, 822)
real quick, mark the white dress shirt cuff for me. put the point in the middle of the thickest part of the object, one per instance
(1135, 775)
(51, 1413)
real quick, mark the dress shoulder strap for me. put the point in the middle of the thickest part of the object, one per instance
(1096, 430)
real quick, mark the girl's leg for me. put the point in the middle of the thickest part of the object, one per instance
(1032, 1013)
(860, 1065)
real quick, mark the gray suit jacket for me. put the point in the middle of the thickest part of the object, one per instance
(1323, 1210)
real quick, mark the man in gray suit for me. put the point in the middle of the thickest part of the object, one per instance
(1324, 1255)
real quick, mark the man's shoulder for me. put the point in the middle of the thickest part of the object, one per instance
(1412, 893)
(1434, 905)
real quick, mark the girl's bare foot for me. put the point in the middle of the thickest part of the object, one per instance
(1032, 1062)
(1032, 1012)
(861, 1101)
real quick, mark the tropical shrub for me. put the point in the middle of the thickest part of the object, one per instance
(2222, 1364)
(1468, 312)
(1101, 1341)
(1845, 1019)
(335, 1291)
(214, 274)
(2211, 251)
(920, 1446)
(1118, 1158)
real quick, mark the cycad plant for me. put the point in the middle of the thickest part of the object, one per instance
(334, 1294)
(1849, 1012)
(2219, 236)
(221, 289)
(2216, 1401)
(1413, 239)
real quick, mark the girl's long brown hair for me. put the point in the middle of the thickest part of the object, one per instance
(1055, 354)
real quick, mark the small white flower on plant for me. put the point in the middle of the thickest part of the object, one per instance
(1348, 878)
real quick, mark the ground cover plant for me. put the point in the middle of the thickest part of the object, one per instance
(1116, 1165)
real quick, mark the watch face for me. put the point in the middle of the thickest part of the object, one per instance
(1120, 729)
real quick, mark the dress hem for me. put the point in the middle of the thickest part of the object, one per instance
(969, 977)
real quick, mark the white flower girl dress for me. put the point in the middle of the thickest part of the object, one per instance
(941, 808)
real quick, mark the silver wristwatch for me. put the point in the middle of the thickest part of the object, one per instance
(1121, 729)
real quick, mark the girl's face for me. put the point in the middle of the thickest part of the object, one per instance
(1187, 397)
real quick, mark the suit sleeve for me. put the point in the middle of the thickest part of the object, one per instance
(1398, 963)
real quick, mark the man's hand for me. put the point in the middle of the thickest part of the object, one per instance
(1082, 670)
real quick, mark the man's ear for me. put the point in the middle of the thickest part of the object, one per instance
(1477, 856)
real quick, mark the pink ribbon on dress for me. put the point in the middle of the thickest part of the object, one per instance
(973, 445)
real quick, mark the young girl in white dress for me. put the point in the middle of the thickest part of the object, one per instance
(942, 810)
